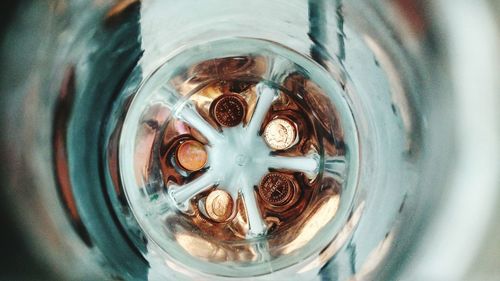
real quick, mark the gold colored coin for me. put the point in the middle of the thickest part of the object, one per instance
(219, 205)
(280, 134)
(191, 155)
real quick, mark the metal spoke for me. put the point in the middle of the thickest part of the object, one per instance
(256, 224)
(231, 185)
(261, 248)
(186, 111)
(188, 114)
(182, 194)
(266, 97)
(169, 96)
(279, 69)
(336, 167)
(305, 164)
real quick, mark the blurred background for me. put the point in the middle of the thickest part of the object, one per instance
(454, 233)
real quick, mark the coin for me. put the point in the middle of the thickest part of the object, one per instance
(228, 65)
(219, 205)
(276, 189)
(191, 155)
(280, 134)
(229, 110)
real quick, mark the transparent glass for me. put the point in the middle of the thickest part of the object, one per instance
(394, 137)
(238, 158)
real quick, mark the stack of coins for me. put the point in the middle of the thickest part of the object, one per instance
(276, 189)
(228, 110)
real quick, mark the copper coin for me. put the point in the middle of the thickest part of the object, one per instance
(280, 134)
(191, 155)
(219, 205)
(229, 110)
(276, 189)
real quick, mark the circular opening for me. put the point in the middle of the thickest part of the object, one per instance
(244, 154)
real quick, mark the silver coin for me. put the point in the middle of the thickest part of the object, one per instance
(280, 134)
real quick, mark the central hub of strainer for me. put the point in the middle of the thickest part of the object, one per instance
(242, 160)
(237, 160)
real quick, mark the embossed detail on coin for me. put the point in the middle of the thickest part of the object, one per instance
(219, 205)
(191, 155)
(229, 110)
(280, 134)
(276, 189)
